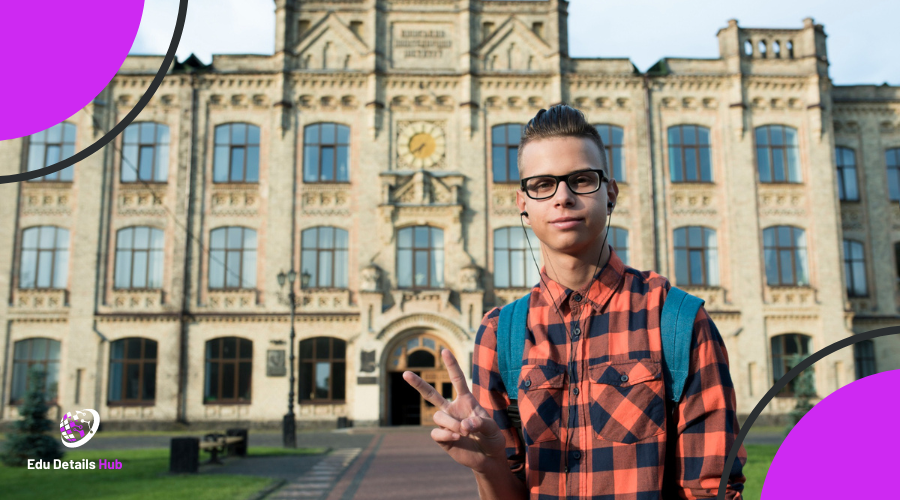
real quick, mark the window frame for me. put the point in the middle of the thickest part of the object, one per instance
(150, 251)
(142, 361)
(221, 361)
(706, 262)
(805, 348)
(846, 171)
(69, 171)
(784, 147)
(246, 146)
(507, 147)
(849, 247)
(681, 148)
(157, 146)
(53, 258)
(622, 249)
(224, 263)
(318, 251)
(431, 284)
(319, 145)
(29, 362)
(864, 358)
(313, 361)
(617, 172)
(526, 252)
(778, 249)
(892, 168)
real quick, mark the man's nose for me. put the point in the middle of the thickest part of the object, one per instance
(564, 194)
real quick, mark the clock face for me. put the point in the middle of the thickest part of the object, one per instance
(421, 144)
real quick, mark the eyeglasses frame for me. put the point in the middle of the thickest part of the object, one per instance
(564, 178)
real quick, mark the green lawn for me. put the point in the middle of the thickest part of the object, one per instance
(759, 457)
(144, 475)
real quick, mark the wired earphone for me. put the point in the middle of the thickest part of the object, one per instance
(610, 206)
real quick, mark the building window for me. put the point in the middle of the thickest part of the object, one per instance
(43, 353)
(513, 264)
(777, 154)
(696, 256)
(145, 152)
(505, 151)
(864, 357)
(323, 374)
(132, 371)
(618, 238)
(787, 350)
(232, 258)
(784, 251)
(236, 156)
(613, 140)
(45, 257)
(420, 257)
(326, 153)
(49, 147)
(897, 259)
(689, 156)
(892, 159)
(846, 174)
(139, 258)
(324, 256)
(855, 269)
(229, 363)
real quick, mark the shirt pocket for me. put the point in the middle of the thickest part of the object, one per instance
(540, 401)
(628, 400)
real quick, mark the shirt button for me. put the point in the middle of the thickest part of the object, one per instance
(624, 378)
(577, 297)
(576, 331)
(576, 455)
(575, 391)
(527, 383)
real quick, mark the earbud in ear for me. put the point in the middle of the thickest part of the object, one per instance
(610, 204)
(523, 213)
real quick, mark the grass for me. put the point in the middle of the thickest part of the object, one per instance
(759, 458)
(144, 475)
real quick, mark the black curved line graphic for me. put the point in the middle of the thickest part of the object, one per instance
(782, 382)
(103, 141)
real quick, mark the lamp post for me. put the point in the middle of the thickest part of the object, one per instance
(289, 425)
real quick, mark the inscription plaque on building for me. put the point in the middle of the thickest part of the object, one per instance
(275, 363)
(422, 45)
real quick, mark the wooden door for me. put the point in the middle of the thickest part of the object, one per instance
(440, 380)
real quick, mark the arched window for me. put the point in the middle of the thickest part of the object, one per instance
(784, 251)
(49, 147)
(855, 268)
(846, 174)
(145, 152)
(696, 256)
(324, 256)
(777, 154)
(236, 156)
(892, 159)
(504, 151)
(326, 153)
(132, 371)
(513, 264)
(762, 49)
(323, 375)
(748, 48)
(787, 351)
(45, 257)
(618, 238)
(864, 358)
(232, 257)
(613, 141)
(776, 48)
(689, 156)
(229, 366)
(420, 257)
(40, 352)
(139, 258)
(790, 47)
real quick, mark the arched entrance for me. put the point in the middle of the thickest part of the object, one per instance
(419, 354)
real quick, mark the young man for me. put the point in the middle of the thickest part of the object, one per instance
(591, 393)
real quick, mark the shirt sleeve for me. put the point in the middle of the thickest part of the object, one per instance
(706, 419)
(489, 391)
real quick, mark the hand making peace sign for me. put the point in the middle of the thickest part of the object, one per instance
(467, 433)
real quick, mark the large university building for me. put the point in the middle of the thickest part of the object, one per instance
(374, 153)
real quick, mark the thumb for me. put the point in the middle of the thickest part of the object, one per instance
(484, 426)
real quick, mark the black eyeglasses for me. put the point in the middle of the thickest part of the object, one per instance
(541, 187)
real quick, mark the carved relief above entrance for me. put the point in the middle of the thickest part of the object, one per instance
(420, 354)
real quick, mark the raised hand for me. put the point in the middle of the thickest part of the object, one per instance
(467, 433)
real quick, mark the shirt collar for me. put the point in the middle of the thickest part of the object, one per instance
(606, 282)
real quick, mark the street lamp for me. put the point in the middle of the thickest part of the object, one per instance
(289, 424)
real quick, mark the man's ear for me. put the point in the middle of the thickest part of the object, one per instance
(520, 203)
(612, 192)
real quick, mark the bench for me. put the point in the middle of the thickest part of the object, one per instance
(184, 455)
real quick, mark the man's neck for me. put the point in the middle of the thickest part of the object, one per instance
(574, 271)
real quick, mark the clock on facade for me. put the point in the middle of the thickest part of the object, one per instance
(421, 144)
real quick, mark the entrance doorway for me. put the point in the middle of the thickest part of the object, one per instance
(419, 354)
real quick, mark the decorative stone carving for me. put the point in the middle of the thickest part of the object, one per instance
(436, 300)
(235, 200)
(503, 197)
(790, 296)
(852, 216)
(369, 278)
(421, 188)
(694, 201)
(233, 299)
(325, 199)
(138, 199)
(39, 200)
(41, 299)
(713, 296)
(782, 200)
(468, 278)
(862, 305)
(324, 300)
(136, 300)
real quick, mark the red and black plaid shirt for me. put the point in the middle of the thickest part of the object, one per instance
(595, 403)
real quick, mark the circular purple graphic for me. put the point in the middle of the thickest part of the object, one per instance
(61, 54)
(845, 447)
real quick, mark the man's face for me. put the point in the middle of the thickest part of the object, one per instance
(559, 156)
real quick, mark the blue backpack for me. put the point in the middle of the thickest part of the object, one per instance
(676, 324)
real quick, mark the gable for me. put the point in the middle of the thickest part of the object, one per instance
(514, 47)
(330, 44)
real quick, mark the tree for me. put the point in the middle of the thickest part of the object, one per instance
(29, 438)
(804, 386)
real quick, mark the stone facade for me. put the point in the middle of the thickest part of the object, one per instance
(389, 70)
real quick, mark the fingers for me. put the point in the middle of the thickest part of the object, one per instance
(443, 419)
(426, 390)
(484, 426)
(444, 435)
(456, 373)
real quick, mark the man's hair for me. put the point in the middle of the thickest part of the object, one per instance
(561, 120)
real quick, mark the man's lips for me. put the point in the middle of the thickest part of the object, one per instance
(566, 222)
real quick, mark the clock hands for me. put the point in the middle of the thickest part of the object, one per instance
(418, 149)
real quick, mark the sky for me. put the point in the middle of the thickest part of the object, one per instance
(863, 38)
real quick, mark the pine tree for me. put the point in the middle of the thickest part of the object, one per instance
(804, 388)
(29, 439)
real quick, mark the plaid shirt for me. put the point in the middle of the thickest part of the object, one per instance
(595, 404)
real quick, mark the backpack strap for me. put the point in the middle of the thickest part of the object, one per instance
(677, 327)
(511, 331)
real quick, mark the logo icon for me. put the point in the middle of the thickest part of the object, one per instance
(78, 428)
